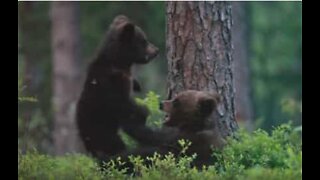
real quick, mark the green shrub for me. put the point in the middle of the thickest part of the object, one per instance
(249, 156)
(152, 102)
(260, 173)
(280, 151)
(37, 166)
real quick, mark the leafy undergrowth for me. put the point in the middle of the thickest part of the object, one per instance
(248, 156)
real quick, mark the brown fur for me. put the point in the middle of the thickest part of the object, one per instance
(188, 118)
(106, 103)
(189, 111)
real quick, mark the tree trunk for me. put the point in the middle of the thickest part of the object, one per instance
(66, 86)
(26, 23)
(199, 53)
(240, 38)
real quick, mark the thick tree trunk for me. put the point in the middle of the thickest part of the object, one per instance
(242, 83)
(199, 53)
(65, 49)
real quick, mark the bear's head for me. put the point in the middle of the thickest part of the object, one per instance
(190, 108)
(129, 43)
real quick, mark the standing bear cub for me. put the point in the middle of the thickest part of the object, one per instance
(106, 104)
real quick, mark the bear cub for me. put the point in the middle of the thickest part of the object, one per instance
(190, 111)
(106, 103)
(188, 117)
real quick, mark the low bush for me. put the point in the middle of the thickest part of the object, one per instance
(256, 155)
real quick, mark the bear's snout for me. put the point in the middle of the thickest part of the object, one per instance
(152, 51)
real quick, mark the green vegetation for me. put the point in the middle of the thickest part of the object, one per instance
(250, 156)
(152, 101)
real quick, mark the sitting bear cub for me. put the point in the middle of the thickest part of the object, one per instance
(188, 117)
(106, 104)
(190, 111)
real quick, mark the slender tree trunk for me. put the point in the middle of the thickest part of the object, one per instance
(26, 22)
(240, 37)
(65, 49)
(199, 53)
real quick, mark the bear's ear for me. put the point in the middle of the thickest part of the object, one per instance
(120, 19)
(206, 106)
(127, 32)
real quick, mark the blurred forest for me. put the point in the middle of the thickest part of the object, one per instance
(274, 60)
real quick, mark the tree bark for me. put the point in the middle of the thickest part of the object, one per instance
(66, 86)
(199, 53)
(240, 37)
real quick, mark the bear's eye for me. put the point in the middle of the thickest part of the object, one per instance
(176, 102)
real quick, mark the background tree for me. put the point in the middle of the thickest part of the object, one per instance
(276, 61)
(242, 83)
(199, 53)
(65, 48)
(25, 23)
(34, 69)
